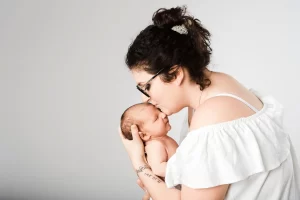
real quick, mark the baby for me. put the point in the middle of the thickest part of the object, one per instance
(153, 127)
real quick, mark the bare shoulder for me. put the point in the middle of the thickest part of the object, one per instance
(170, 139)
(217, 110)
(154, 144)
(156, 151)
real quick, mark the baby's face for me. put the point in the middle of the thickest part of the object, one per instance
(155, 123)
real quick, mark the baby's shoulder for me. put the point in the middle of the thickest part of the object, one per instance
(155, 148)
(155, 145)
(169, 141)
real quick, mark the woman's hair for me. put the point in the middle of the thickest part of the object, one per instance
(158, 46)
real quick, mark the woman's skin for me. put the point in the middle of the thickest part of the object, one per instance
(171, 98)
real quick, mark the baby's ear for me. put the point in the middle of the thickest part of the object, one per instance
(144, 136)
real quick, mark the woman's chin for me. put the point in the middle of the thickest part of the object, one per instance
(167, 113)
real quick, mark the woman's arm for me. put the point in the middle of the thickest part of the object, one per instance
(158, 190)
(156, 187)
(213, 193)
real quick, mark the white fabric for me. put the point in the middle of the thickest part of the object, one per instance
(185, 126)
(253, 154)
(238, 98)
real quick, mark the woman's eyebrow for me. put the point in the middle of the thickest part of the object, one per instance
(141, 83)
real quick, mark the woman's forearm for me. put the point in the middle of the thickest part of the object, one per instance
(154, 185)
(160, 169)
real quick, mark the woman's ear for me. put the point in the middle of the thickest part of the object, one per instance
(144, 136)
(179, 74)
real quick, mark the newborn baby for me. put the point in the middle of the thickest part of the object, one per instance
(153, 127)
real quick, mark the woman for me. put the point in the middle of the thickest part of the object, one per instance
(236, 147)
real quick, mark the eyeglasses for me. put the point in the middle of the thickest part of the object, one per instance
(142, 90)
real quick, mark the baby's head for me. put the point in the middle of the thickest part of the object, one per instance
(150, 121)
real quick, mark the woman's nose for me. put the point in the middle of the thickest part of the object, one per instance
(145, 98)
(163, 115)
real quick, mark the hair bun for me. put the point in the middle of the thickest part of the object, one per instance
(169, 17)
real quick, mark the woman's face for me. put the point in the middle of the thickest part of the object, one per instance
(163, 95)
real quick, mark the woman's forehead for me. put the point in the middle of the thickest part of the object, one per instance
(141, 76)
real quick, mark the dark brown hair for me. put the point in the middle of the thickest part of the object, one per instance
(158, 46)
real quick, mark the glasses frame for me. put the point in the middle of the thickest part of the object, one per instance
(155, 75)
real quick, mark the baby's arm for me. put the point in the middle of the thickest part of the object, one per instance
(157, 157)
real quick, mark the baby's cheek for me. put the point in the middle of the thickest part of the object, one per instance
(163, 130)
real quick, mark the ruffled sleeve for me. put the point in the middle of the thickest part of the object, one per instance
(232, 151)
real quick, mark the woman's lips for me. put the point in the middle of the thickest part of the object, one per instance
(167, 120)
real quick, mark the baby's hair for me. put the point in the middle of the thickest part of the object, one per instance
(129, 118)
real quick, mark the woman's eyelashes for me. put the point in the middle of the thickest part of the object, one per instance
(147, 86)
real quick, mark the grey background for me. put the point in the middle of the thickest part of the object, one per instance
(64, 85)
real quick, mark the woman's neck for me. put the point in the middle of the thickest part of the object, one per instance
(194, 95)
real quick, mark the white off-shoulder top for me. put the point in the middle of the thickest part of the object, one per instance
(253, 154)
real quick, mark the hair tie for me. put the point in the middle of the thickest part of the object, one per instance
(181, 29)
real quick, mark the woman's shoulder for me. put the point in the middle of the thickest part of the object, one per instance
(219, 109)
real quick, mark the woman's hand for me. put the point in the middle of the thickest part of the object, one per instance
(135, 147)
(146, 195)
(136, 151)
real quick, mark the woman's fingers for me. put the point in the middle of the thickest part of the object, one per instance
(120, 133)
(124, 140)
(135, 133)
(139, 182)
(134, 130)
(135, 147)
(146, 196)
